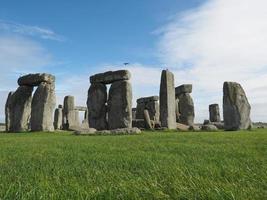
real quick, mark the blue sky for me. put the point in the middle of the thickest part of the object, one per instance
(203, 42)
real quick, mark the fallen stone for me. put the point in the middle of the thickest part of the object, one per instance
(120, 105)
(209, 127)
(186, 88)
(20, 109)
(121, 131)
(36, 79)
(186, 109)
(96, 105)
(167, 100)
(219, 125)
(82, 131)
(236, 108)
(43, 105)
(194, 128)
(110, 77)
(182, 127)
(214, 111)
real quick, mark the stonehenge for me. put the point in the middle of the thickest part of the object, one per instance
(236, 108)
(25, 112)
(185, 111)
(167, 100)
(111, 110)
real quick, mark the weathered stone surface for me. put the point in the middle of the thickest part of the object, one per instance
(134, 113)
(96, 105)
(139, 123)
(7, 111)
(58, 118)
(206, 121)
(120, 131)
(120, 105)
(167, 100)
(43, 105)
(20, 109)
(83, 131)
(153, 109)
(177, 112)
(236, 108)
(36, 79)
(209, 127)
(110, 77)
(182, 127)
(148, 124)
(81, 108)
(214, 111)
(147, 99)
(70, 115)
(186, 88)
(219, 125)
(186, 109)
(194, 128)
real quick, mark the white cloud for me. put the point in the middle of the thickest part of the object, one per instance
(221, 40)
(36, 31)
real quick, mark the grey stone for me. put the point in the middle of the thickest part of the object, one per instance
(209, 127)
(60, 106)
(206, 121)
(120, 131)
(120, 105)
(134, 113)
(7, 111)
(236, 108)
(182, 127)
(177, 112)
(70, 115)
(58, 118)
(81, 108)
(186, 109)
(148, 124)
(194, 128)
(219, 125)
(83, 131)
(96, 105)
(36, 79)
(167, 100)
(147, 99)
(43, 105)
(110, 77)
(186, 88)
(20, 109)
(139, 123)
(214, 111)
(151, 106)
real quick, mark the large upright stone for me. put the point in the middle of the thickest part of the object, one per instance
(186, 109)
(236, 108)
(214, 111)
(19, 105)
(58, 119)
(96, 105)
(70, 116)
(43, 105)
(36, 79)
(110, 77)
(167, 100)
(120, 105)
(7, 111)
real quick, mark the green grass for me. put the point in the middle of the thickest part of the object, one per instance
(221, 165)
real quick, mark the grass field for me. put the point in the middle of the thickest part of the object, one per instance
(158, 165)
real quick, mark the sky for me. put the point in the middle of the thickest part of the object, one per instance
(203, 42)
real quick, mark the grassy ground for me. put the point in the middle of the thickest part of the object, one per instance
(222, 165)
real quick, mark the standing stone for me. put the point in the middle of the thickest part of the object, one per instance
(134, 113)
(43, 105)
(70, 118)
(7, 111)
(177, 112)
(214, 111)
(167, 100)
(236, 108)
(58, 119)
(120, 105)
(148, 124)
(19, 105)
(96, 104)
(186, 109)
